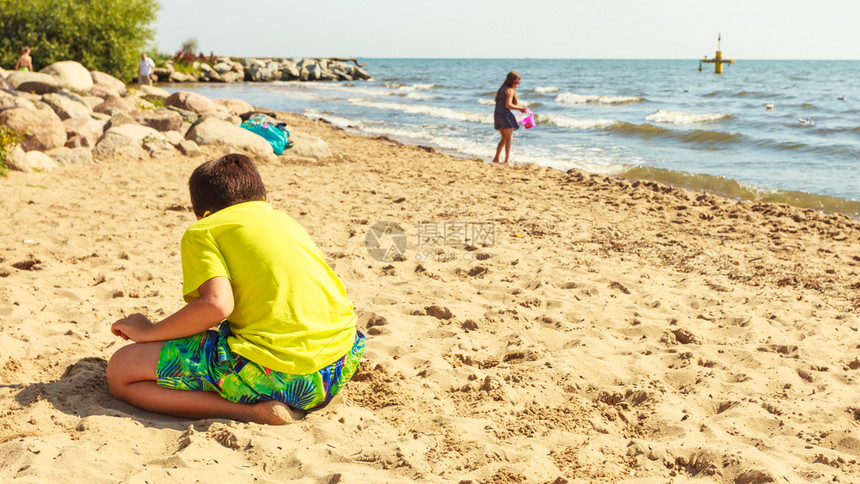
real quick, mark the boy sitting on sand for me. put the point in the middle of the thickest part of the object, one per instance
(289, 339)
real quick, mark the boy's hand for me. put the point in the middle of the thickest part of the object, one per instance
(133, 327)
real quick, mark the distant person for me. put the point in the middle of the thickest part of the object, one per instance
(25, 62)
(503, 118)
(145, 68)
(286, 335)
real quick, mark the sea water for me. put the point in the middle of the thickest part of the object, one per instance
(783, 131)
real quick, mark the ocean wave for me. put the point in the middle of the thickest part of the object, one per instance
(492, 102)
(677, 117)
(545, 90)
(743, 191)
(409, 87)
(420, 97)
(572, 99)
(425, 110)
(571, 123)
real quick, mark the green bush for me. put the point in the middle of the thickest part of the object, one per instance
(8, 140)
(103, 35)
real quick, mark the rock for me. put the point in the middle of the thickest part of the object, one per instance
(223, 67)
(212, 76)
(92, 101)
(233, 76)
(187, 116)
(175, 137)
(289, 72)
(100, 116)
(42, 128)
(154, 91)
(205, 67)
(115, 104)
(3, 73)
(70, 75)
(439, 312)
(10, 102)
(101, 91)
(29, 161)
(181, 77)
(67, 105)
(6, 88)
(160, 119)
(341, 75)
(34, 82)
(109, 81)
(160, 149)
(212, 131)
(235, 107)
(261, 74)
(126, 141)
(162, 73)
(189, 148)
(71, 156)
(120, 119)
(191, 101)
(83, 131)
(308, 146)
(359, 73)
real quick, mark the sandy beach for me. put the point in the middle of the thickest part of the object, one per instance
(572, 328)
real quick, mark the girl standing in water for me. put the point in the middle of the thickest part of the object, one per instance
(504, 120)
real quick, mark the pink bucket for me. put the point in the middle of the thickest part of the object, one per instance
(528, 120)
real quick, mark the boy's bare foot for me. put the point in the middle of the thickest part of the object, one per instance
(273, 412)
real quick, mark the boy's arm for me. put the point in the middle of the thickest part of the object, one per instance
(213, 306)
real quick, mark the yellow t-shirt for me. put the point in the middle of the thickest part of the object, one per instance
(291, 313)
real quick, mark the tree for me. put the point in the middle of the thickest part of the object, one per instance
(103, 35)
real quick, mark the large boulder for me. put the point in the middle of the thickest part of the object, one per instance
(126, 141)
(83, 131)
(67, 105)
(191, 101)
(307, 146)
(223, 67)
(119, 119)
(160, 119)
(114, 104)
(103, 91)
(6, 88)
(18, 159)
(42, 128)
(236, 107)
(213, 131)
(3, 73)
(233, 76)
(261, 74)
(70, 75)
(154, 91)
(13, 102)
(108, 81)
(34, 82)
(71, 156)
(176, 76)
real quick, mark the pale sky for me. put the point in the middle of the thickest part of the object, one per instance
(578, 29)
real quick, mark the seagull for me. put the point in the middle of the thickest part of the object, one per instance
(841, 98)
(769, 106)
(806, 121)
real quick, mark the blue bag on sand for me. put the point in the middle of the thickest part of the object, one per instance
(275, 133)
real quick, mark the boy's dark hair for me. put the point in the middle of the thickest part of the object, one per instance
(218, 184)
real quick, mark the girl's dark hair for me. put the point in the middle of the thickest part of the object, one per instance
(512, 76)
(218, 184)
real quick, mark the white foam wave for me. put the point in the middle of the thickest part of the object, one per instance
(677, 117)
(546, 90)
(420, 97)
(571, 123)
(492, 102)
(408, 87)
(572, 99)
(425, 110)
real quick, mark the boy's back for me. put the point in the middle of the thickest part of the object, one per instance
(291, 312)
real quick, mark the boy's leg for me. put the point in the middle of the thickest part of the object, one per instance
(131, 374)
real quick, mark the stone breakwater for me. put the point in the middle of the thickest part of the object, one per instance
(249, 69)
(66, 114)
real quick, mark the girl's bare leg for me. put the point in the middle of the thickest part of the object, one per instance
(131, 375)
(505, 143)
